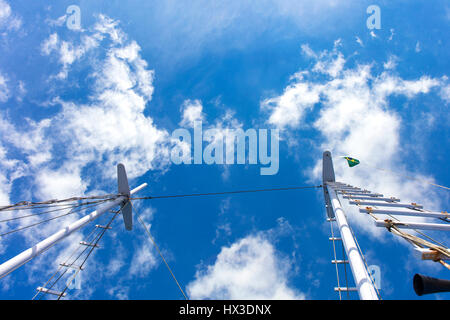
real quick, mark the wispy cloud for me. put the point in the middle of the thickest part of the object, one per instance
(8, 20)
(355, 118)
(248, 269)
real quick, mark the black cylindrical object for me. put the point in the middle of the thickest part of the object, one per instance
(425, 285)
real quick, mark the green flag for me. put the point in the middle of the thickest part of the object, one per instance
(352, 162)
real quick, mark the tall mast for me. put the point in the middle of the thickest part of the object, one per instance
(364, 284)
(123, 200)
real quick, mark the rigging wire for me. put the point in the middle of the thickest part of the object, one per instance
(72, 211)
(159, 251)
(53, 210)
(345, 271)
(94, 245)
(27, 204)
(71, 264)
(66, 263)
(335, 258)
(417, 241)
(223, 193)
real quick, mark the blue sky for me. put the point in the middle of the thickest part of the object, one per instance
(74, 103)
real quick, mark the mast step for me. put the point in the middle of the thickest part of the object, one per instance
(392, 199)
(84, 243)
(413, 225)
(368, 194)
(429, 254)
(345, 289)
(409, 212)
(48, 291)
(387, 204)
(339, 261)
(71, 266)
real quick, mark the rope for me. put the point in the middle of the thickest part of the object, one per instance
(162, 257)
(345, 270)
(223, 193)
(335, 258)
(391, 227)
(27, 204)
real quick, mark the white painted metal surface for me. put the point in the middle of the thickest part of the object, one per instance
(364, 285)
(372, 198)
(386, 204)
(415, 225)
(412, 213)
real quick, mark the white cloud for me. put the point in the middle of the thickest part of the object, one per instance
(4, 90)
(248, 269)
(417, 48)
(391, 63)
(192, 111)
(67, 51)
(50, 44)
(143, 260)
(445, 93)
(8, 20)
(56, 22)
(111, 126)
(120, 293)
(356, 119)
(144, 257)
(392, 34)
(358, 40)
(5, 184)
(289, 109)
(60, 184)
(59, 153)
(208, 25)
(5, 11)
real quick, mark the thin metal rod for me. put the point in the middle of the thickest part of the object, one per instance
(223, 193)
(414, 225)
(387, 204)
(368, 194)
(22, 258)
(413, 213)
(161, 255)
(372, 198)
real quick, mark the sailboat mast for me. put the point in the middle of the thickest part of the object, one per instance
(364, 284)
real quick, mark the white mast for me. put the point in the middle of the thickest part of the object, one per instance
(364, 284)
(22, 258)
